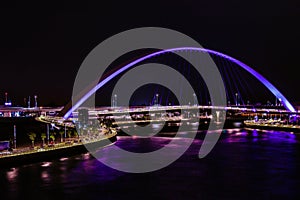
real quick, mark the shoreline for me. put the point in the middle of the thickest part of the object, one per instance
(37, 155)
(271, 126)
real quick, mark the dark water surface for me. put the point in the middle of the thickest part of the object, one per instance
(243, 165)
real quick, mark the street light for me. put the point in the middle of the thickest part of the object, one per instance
(236, 99)
(29, 102)
(35, 101)
(195, 99)
(65, 131)
(156, 99)
(279, 101)
(5, 97)
(114, 101)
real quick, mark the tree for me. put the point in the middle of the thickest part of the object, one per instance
(52, 136)
(69, 132)
(76, 134)
(61, 132)
(32, 137)
(43, 136)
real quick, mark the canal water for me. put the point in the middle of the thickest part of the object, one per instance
(245, 164)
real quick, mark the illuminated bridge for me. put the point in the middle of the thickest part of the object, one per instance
(238, 89)
(167, 115)
(229, 68)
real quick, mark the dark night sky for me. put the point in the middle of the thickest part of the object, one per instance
(43, 44)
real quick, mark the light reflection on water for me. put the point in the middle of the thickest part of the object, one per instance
(245, 164)
(12, 174)
(46, 164)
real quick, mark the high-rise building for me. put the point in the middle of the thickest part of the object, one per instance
(83, 117)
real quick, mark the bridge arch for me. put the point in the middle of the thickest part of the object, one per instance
(258, 76)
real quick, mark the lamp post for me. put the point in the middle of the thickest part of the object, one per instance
(29, 102)
(35, 101)
(65, 132)
(5, 97)
(15, 137)
(195, 99)
(156, 99)
(48, 134)
(279, 102)
(236, 99)
(115, 100)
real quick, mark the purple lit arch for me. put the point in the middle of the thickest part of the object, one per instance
(263, 80)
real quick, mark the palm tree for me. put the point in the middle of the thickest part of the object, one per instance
(32, 137)
(61, 132)
(69, 132)
(43, 136)
(76, 134)
(52, 136)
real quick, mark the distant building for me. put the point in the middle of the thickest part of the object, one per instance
(83, 117)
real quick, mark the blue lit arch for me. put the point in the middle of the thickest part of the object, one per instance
(263, 80)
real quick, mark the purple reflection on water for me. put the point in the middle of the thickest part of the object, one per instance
(237, 168)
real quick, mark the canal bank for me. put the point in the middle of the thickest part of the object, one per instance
(47, 154)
